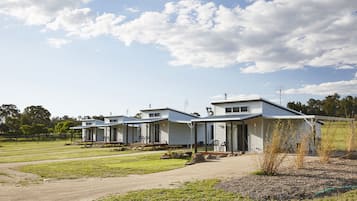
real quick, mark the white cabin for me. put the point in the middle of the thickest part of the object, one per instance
(245, 125)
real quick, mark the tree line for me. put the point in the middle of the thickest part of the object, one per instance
(332, 105)
(34, 119)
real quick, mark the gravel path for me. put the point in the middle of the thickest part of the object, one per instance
(93, 188)
(296, 184)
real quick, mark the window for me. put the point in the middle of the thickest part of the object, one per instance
(113, 120)
(88, 123)
(228, 109)
(244, 109)
(235, 109)
(154, 114)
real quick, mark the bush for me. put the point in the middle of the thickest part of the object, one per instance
(301, 151)
(327, 144)
(276, 147)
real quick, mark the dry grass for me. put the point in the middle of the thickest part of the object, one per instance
(276, 148)
(302, 151)
(327, 143)
(351, 139)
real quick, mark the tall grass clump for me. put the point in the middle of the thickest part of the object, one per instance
(351, 139)
(276, 148)
(327, 143)
(301, 151)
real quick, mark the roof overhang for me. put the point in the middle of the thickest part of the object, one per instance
(143, 121)
(314, 117)
(84, 127)
(225, 118)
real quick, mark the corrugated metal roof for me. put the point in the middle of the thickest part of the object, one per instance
(167, 108)
(141, 121)
(221, 118)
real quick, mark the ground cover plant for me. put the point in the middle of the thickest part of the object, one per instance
(46, 150)
(105, 167)
(199, 190)
(203, 190)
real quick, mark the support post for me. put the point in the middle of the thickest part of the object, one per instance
(195, 125)
(243, 137)
(127, 134)
(132, 135)
(206, 136)
(110, 134)
(232, 137)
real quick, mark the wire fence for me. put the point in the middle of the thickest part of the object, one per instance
(40, 137)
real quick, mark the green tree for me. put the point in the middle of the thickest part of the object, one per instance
(9, 116)
(64, 126)
(26, 129)
(36, 115)
(331, 105)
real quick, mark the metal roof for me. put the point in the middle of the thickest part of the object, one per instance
(222, 118)
(167, 108)
(148, 120)
(89, 126)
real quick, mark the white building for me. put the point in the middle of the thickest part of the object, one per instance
(245, 125)
(157, 126)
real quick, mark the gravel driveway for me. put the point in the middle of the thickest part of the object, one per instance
(93, 188)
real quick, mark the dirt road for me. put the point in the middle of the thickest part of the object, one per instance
(93, 188)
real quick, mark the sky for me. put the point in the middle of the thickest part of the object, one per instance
(102, 57)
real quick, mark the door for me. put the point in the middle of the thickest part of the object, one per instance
(242, 135)
(236, 137)
(115, 134)
(157, 132)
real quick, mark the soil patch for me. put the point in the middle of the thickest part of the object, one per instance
(314, 180)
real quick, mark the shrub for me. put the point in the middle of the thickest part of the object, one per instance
(327, 144)
(276, 148)
(351, 139)
(301, 151)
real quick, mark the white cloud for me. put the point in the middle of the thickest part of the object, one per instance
(37, 12)
(268, 35)
(66, 15)
(265, 36)
(133, 10)
(58, 42)
(346, 87)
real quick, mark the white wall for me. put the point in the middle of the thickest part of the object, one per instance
(163, 114)
(254, 107)
(180, 134)
(255, 137)
(220, 137)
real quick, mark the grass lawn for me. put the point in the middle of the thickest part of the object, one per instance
(202, 190)
(106, 167)
(45, 150)
(340, 132)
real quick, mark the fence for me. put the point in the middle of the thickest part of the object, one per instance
(40, 137)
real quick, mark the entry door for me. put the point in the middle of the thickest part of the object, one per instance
(157, 132)
(238, 140)
(242, 135)
(114, 135)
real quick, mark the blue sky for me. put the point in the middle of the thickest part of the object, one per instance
(166, 54)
